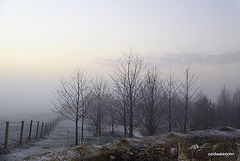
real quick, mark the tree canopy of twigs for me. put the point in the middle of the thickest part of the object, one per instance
(71, 97)
(189, 90)
(127, 81)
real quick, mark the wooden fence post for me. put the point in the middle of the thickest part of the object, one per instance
(37, 130)
(48, 129)
(30, 130)
(42, 130)
(6, 136)
(21, 132)
(45, 128)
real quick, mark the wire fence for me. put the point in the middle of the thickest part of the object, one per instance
(13, 134)
(2, 130)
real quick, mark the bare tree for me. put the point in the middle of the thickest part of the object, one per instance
(152, 100)
(71, 96)
(171, 96)
(127, 80)
(99, 102)
(189, 91)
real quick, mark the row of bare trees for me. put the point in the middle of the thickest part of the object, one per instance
(138, 96)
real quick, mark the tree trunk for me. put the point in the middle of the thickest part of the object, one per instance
(125, 120)
(151, 131)
(169, 117)
(76, 135)
(151, 118)
(130, 114)
(185, 115)
(82, 129)
(96, 132)
(100, 121)
(170, 106)
(112, 125)
(186, 102)
(185, 120)
(131, 122)
(97, 124)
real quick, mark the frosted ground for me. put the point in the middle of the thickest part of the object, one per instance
(54, 141)
(15, 126)
(195, 145)
(61, 136)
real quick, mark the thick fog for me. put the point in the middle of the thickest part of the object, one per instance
(26, 91)
(41, 41)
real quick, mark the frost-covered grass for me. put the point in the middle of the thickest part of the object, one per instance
(15, 127)
(109, 146)
(14, 133)
(63, 135)
(193, 145)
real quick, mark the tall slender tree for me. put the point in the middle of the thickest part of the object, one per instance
(70, 97)
(127, 80)
(152, 100)
(171, 96)
(99, 103)
(189, 89)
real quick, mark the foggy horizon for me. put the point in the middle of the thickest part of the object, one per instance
(43, 41)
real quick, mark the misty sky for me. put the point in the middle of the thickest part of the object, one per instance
(43, 40)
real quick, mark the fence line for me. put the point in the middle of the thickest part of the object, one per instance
(24, 131)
